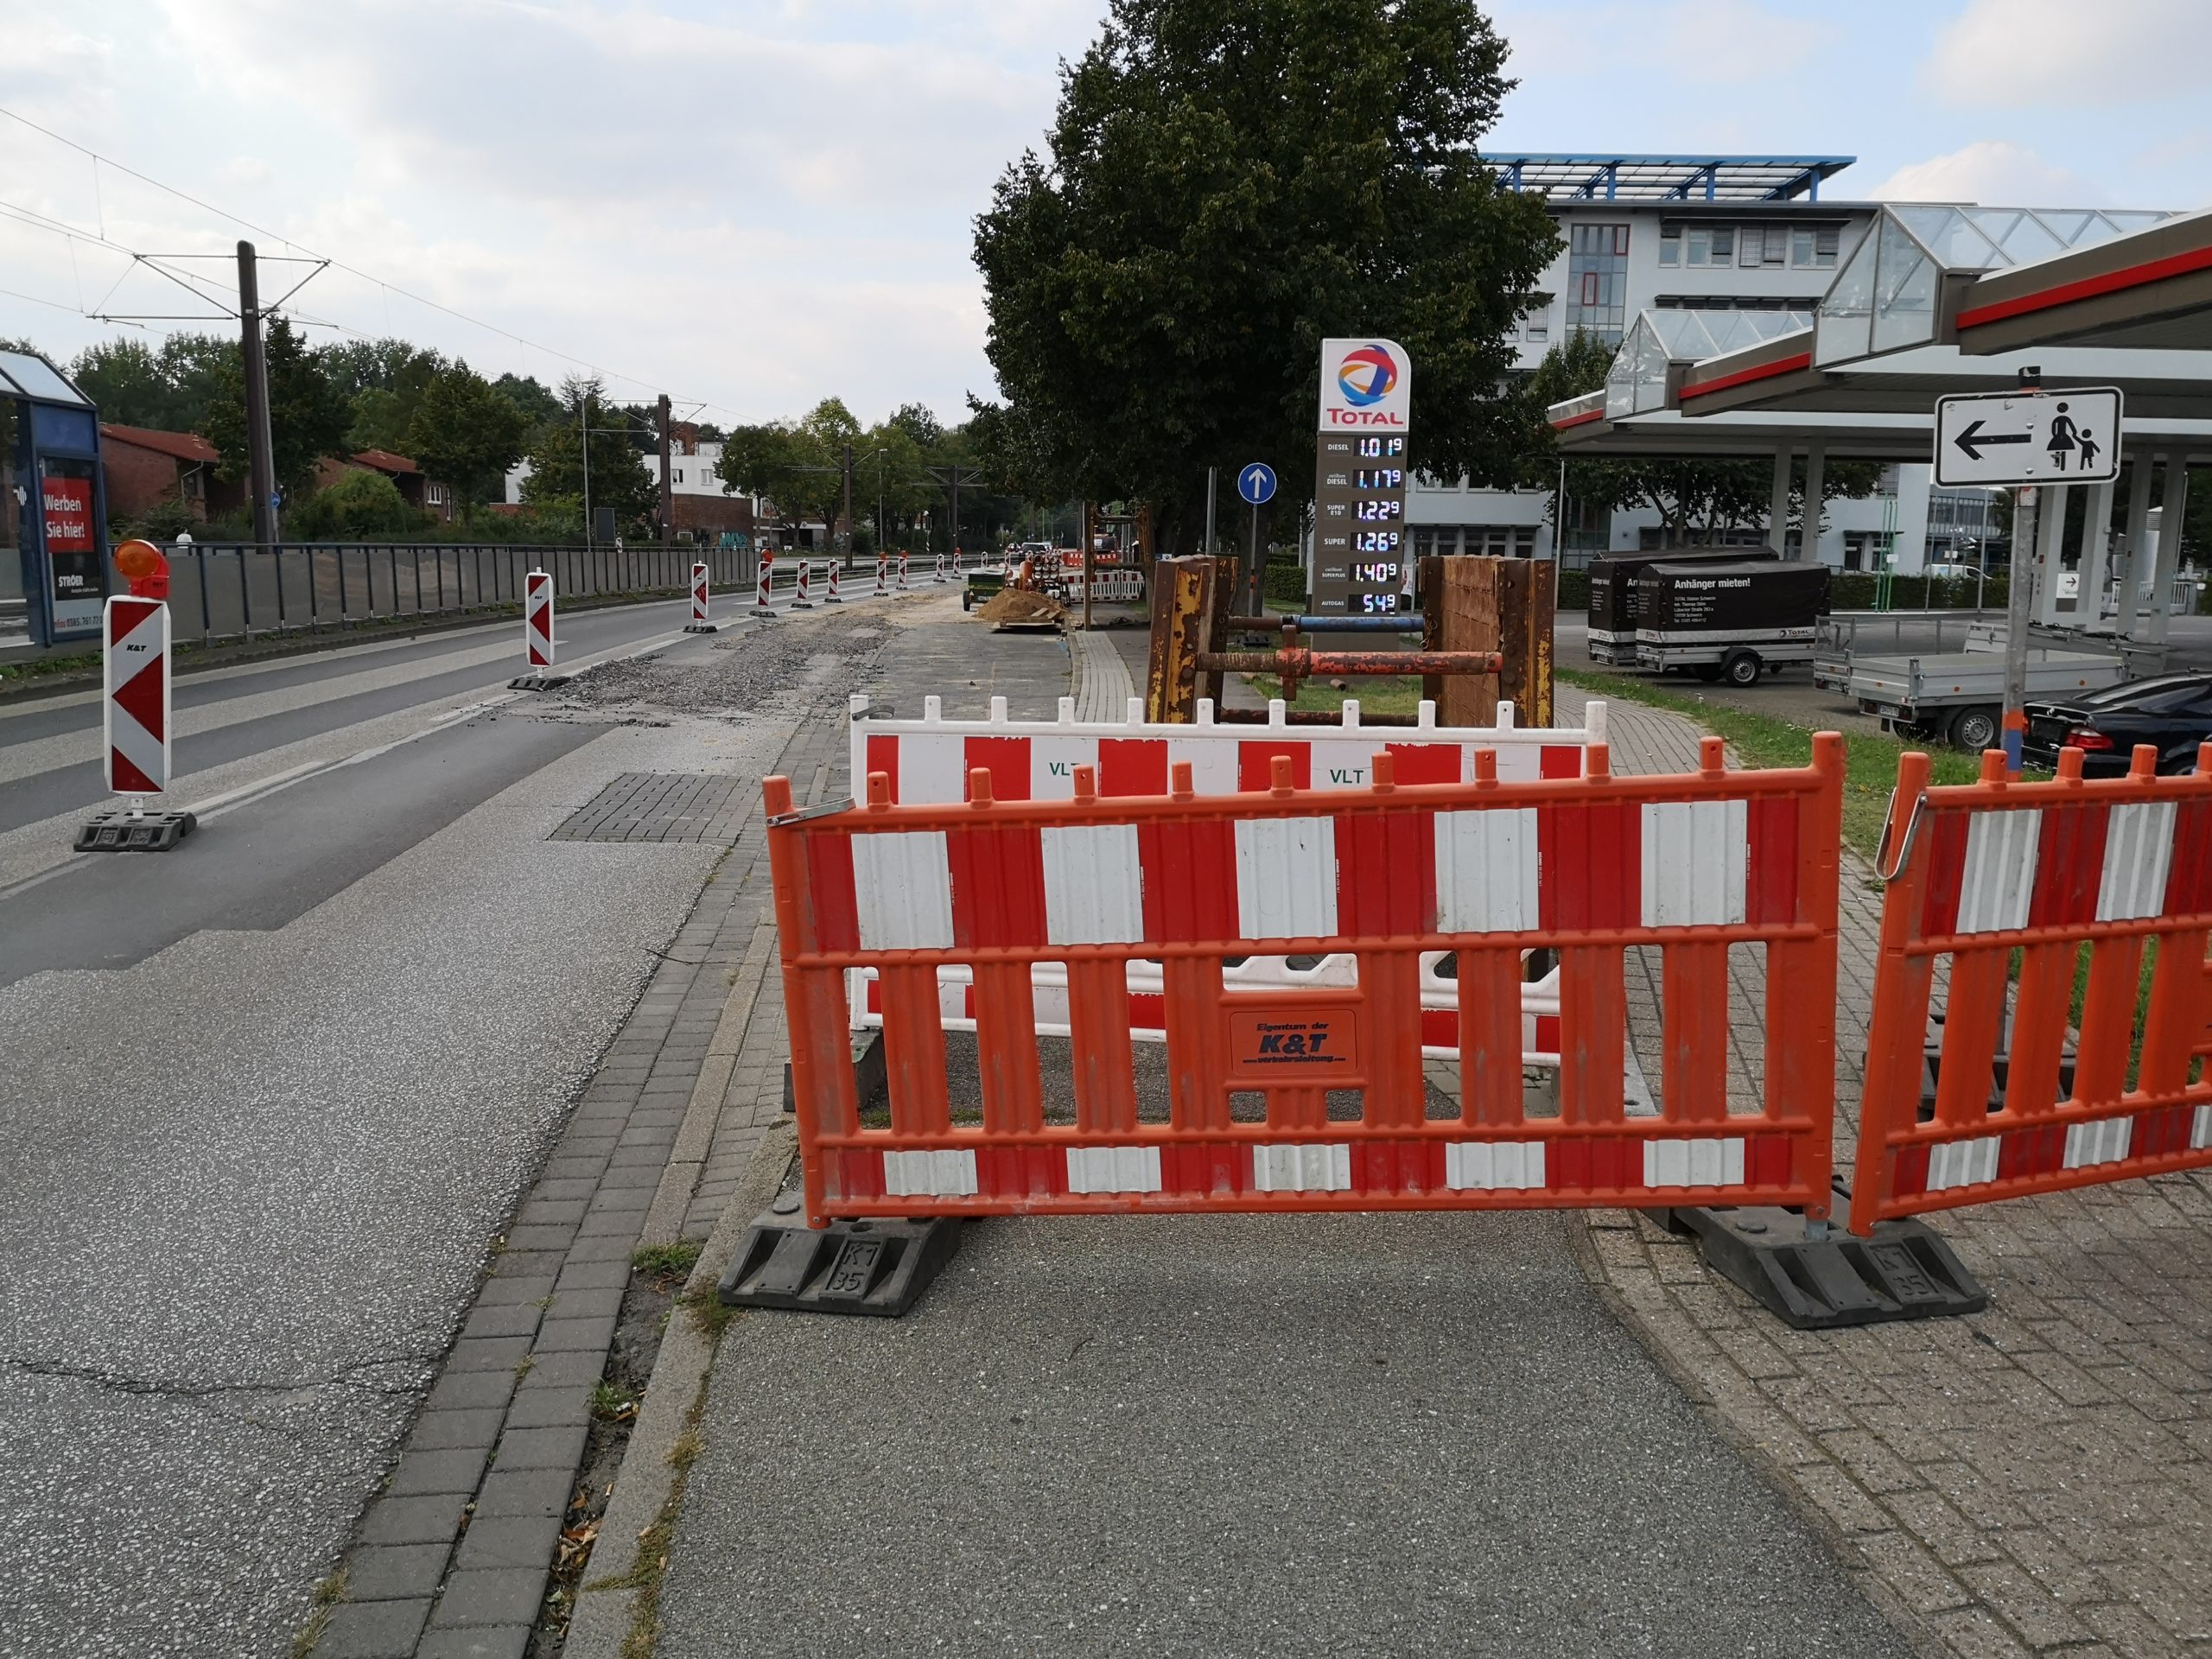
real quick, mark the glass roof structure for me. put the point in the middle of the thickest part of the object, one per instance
(34, 377)
(1668, 178)
(1658, 340)
(1889, 294)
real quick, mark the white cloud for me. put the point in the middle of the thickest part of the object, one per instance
(1993, 172)
(2009, 53)
(1740, 42)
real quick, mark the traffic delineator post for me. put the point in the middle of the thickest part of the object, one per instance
(1979, 873)
(698, 623)
(882, 562)
(902, 572)
(136, 726)
(761, 608)
(831, 598)
(537, 626)
(802, 598)
(939, 576)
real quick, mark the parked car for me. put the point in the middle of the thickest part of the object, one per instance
(2173, 713)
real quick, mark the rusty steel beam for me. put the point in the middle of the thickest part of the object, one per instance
(1297, 663)
(1309, 717)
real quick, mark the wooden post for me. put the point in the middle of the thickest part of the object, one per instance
(1431, 594)
(1467, 602)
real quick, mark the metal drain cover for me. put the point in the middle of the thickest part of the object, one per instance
(660, 806)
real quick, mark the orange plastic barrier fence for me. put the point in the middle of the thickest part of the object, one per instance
(1691, 864)
(2120, 866)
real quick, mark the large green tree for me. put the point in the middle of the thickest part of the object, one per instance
(309, 416)
(617, 477)
(467, 434)
(1230, 182)
(1695, 500)
(168, 387)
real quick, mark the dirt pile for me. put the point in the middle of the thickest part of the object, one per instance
(1012, 608)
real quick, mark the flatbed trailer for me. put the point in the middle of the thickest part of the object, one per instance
(1959, 696)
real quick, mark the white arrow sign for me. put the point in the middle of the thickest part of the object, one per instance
(2068, 436)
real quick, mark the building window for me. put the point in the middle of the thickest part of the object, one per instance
(1670, 244)
(1597, 280)
(1761, 244)
(1814, 246)
(1711, 245)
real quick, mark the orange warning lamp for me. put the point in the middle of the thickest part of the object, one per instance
(146, 567)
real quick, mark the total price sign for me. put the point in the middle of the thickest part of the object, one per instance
(1359, 479)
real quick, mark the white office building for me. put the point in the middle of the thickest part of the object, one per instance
(1688, 255)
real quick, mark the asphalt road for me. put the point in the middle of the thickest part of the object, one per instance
(268, 1098)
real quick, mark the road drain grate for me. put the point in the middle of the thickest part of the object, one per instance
(660, 806)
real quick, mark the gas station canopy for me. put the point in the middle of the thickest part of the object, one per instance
(2151, 290)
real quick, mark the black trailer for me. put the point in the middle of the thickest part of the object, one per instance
(1613, 598)
(1733, 620)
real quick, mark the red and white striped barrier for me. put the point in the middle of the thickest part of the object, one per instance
(883, 562)
(939, 576)
(928, 760)
(135, 712)
(699, 624)
(803, 600)
(760, 605)
(831, 598)
(902, 572)
(538, 621)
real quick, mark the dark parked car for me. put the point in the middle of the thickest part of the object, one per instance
(2173, 713)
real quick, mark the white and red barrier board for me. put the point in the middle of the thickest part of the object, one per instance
(135, 720)
(537, 618)
(928, 761)
(698, 593)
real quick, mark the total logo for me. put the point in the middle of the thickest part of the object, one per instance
(1364, 385)
(1366, 375)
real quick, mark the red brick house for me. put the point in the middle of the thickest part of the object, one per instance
(146, 468)
(428, 494)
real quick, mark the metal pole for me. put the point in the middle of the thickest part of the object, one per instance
(667, 482)
(1090, 562)
(1253, 553)
(584, 431)
(848, 500)
(1213, 476)
(2019, 606)
(261, 463)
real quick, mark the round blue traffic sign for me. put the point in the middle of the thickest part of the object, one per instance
(1256, 483)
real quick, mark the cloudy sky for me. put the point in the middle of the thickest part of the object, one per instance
(753, 204)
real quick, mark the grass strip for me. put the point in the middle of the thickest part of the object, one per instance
(1870, 758)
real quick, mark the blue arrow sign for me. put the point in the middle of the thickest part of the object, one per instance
(1256, 483)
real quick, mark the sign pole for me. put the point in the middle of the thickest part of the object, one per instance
(2019, 605)
(1252, 558)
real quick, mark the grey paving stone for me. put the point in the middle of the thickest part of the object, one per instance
(549, 1406)
(493, 1642)
(395, 1573)
(518, 1288)
(585, 1303)
(541, 1448)
(459, 1390)
(583, 1366)
(619, 1224)
(487, 1354)
(525, 1492)
(428, 1519)
(423, 1474)
(440, 1430)
(561, 1336)
(540, 1238)
(502, 1595)
(372, 1629)
(495, 1540)
(594, 1275)
(593, 1251)
(524, 1264)
(498, 1319)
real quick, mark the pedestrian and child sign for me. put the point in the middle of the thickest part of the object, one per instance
(2059, 437)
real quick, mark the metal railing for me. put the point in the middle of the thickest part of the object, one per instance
(220, 591)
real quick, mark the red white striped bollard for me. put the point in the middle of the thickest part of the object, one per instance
(698, 623)
(831, 597)
(902, 572)
(883, 562)
(760, 606)
(803, 600)
(134, 726)
(538, 621)
(940, 568)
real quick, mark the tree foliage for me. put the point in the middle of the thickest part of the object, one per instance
(309, 416)
(617, 477)
(357, 504)
(1230, 182)
(1695, 500)
(467, 434)
(168, 387)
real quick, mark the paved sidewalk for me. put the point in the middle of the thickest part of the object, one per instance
(2030, 1479)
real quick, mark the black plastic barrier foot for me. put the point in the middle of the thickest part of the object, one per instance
(1906, 1271)
(878, 1267)
(702, 627)
(148, 832)
(538, 682)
